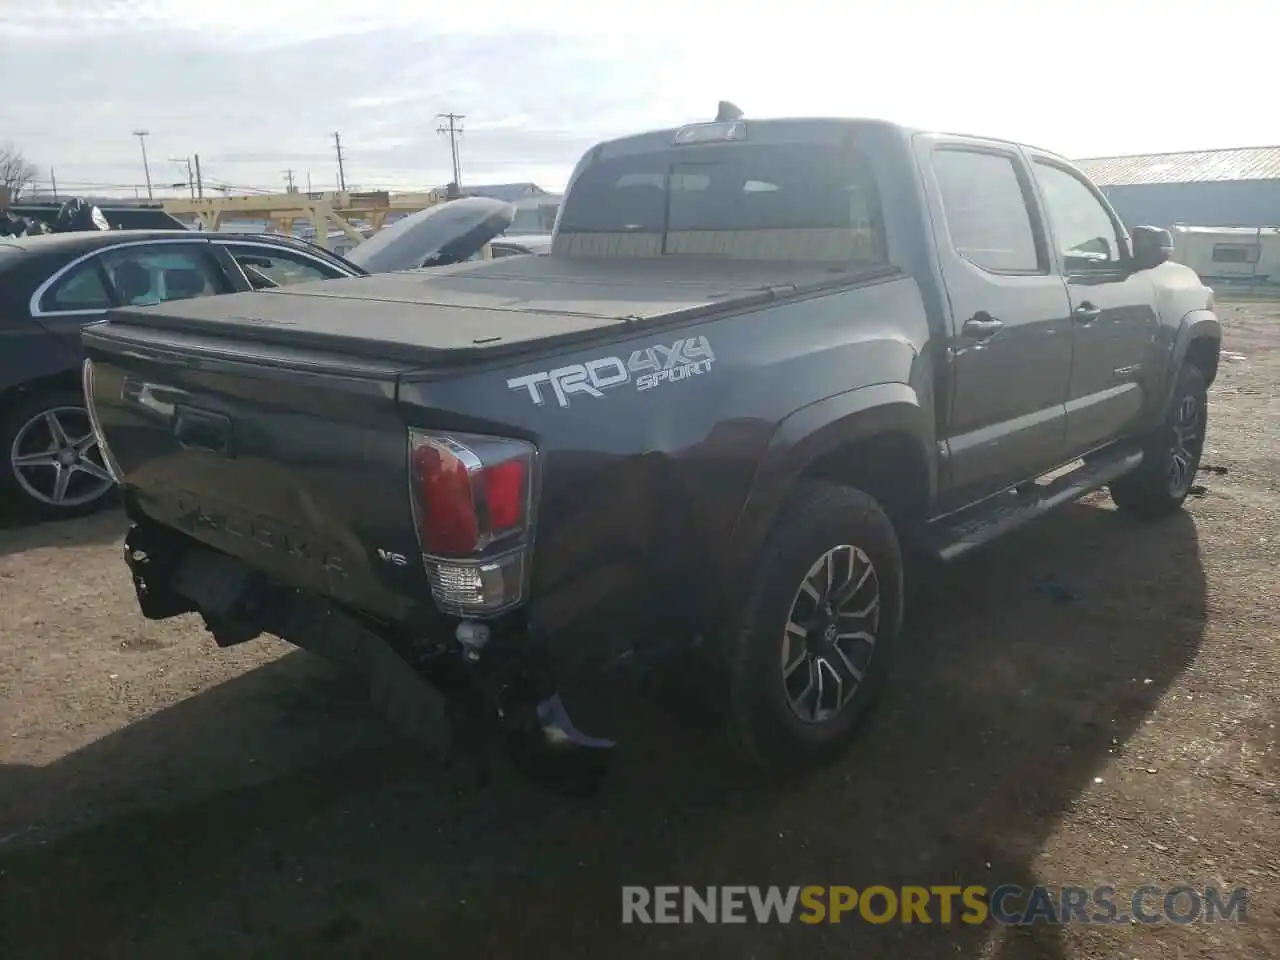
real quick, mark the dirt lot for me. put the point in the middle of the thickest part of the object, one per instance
(1092, 702)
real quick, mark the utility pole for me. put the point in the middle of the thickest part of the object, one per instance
(452, 128)
(191, 180)
(288, 175)
(199, 180)
(342, 176)
(142, 139)
(53, 178)
(308, 181)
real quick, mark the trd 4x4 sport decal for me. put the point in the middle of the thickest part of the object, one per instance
(647, 368)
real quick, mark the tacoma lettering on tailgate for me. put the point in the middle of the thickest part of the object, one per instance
(196, 513)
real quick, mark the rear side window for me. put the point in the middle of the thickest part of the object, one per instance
(147, 275)
(794, 202)
(986, 210)
(267, 268)
(81, 288)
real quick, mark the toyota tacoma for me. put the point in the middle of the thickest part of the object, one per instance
(763, 363)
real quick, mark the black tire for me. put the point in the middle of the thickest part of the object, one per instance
(1154, 490)
(763, 725)
(22, 432)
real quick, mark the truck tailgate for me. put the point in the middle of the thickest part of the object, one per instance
(293, 460)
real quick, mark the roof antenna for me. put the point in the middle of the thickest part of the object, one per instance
(728, 111)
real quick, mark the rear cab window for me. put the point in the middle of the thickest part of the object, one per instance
(766, 199)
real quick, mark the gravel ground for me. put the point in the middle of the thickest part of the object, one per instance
(162, 798)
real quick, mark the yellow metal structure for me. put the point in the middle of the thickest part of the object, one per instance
(322, 210)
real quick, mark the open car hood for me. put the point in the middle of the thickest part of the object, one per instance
(449, 232)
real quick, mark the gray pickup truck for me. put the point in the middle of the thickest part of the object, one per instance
(764, 361)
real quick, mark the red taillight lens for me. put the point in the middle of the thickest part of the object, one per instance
(468, 492)
(447, 515)
(505, 495)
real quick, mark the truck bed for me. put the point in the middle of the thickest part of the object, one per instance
(478, 311)
(271, 426)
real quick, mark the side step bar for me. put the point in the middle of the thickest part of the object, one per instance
(955, 535)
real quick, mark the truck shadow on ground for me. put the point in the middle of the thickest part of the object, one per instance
(1021, 670)
(19, 533)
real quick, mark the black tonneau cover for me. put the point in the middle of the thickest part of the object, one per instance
(480, 310)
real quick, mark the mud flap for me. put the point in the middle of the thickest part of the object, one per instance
(549, 751)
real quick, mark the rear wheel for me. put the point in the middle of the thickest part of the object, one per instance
(1171, 453)
(812, 646)
(51, 465)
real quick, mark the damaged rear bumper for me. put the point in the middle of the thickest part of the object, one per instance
(460, 705)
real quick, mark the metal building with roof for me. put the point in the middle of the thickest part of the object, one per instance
(508, 192)
(1236, 187)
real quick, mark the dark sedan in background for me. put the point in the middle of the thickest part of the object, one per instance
(52, 285)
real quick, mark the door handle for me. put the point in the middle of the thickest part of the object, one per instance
(981, 326)
(203, 429)
(1086, 313)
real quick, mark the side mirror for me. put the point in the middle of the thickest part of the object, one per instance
(1152, 246)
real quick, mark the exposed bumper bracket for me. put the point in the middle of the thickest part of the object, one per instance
(561, 757)
(465, 708)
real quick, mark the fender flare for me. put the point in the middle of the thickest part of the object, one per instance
(809, 433)
(1196, 325)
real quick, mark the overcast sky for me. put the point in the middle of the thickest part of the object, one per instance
(258, 86)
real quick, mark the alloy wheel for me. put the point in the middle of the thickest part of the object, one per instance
(1188, 439)
(830, 634)
(56, 460)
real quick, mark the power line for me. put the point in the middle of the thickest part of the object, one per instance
(223, 187)
(191, 179)
(98, 184)
(454, 130)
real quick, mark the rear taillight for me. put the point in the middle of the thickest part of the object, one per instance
(472, 503)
